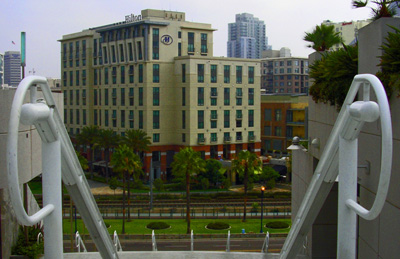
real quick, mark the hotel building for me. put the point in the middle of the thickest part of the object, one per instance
(156, 72)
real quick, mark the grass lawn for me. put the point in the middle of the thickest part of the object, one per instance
(178, 226)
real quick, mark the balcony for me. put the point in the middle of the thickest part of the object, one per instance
(201, 141)
(214, 117)
(227, 139)
(252, 138)
(239, 116)
(214, 139)
(214, 94)
(295, 123)
(239, 94)
(239, 138)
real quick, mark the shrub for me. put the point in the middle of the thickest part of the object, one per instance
(30, 249)
(158, 184)
(277, 224)
(218, 225)
(158, 225)
(254, 207)
(205, 183)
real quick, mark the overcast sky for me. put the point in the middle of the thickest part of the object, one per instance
(45, 21)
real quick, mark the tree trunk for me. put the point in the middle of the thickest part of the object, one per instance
(123, 203)
(188, 202)
(245, 194)
(129, 198)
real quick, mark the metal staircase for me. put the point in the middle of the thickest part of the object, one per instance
(59, 159)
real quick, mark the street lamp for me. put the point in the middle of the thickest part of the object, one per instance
(262, 198)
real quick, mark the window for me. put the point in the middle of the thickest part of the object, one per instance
(239, 136)
(289, 132)
(278, 131)
(121, 53)
(122, 118)
(140, 73)
(213, 73)
(200, 138)
(179, 34)
(77, 116)
(238, 74)
(227, 74)
(183, 96)
(140, 96)
(251, 75)
(131, 74)
(130, 51)
(179, 49)
(105, 55)
(190, 42)
(183, 119)
(200, 96)
(200, 119)
(200, 73)
(122, 96)
(95, 117)
(84, 77)
(251, 96)
(71, 78)
(203, 43)
(156, 96)
(77, 77)
(251, 118)
(83, 96)
(156, 119)
(71, 116)
(156, 44)
(114, 75)
(77, 97)
(239, 101)
(183, 137)
(278, 114)
(114, 96)
(156, 137)
(131, 119)
(227, 136)
(226, 119)
(106, 118)
(213, 137)
(139, 48)
(183, 73)
(113, 54)
(227, 96)
(214, 115)
(84, 116)
(267, 130)
(267, 115)
(156, 73)
(140, 119)
(106, 75)
(95, 97)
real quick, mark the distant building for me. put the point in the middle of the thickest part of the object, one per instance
(1, 69)
(156, 72)
(284, 74)
(347, 30)
(246, 37)
(283, 116)
(12, 68)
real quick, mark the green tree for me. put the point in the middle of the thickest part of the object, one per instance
(269, 176)
(323, 37)
(127, 163)
(107, 139)
(384, 8)
(187, 163)
(82, 161)
(113, 183)
(245, 164)
(88, 137)
(159, 184)
(213, 172)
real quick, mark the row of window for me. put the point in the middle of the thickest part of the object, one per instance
(80, 76)
(74, 52)
(288, 77)
(226, 95)
(214, 119)
(278, 131)
(287, 71)
(281, 63)
(214, 77)
(227, 137)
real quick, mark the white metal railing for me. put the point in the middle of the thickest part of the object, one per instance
(228, 242)
(58, 156)
(191, 241)
(153, 241)
(340, 159)
(265, 246)
(39, 237)
(117, 243)
(79, 243)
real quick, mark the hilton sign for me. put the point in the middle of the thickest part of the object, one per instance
(132, 18)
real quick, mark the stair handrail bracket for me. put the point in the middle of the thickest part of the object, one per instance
(339, 158)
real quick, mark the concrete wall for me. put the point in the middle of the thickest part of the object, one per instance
(378, 238)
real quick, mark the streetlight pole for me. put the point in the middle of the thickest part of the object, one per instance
(262, 198)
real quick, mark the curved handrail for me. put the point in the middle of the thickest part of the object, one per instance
(386, 154)
(12, 155)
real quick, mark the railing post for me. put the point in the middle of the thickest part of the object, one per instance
(51, 181)
(347, 218)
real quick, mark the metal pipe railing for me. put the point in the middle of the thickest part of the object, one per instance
(117, 243)
(79, 243)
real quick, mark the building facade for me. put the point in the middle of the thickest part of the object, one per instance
(1, 69)
(246, 37)
(156, 72)
(282, 118)
(284, 74)
(347, 30)
(12, 68)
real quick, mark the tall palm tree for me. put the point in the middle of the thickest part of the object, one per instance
(127, 163)
(245, 164)
(187, 162)
(88, 137)
(323, 37)
(107, 139)
(138, 141)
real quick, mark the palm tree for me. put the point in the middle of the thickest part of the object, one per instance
(187, 162)
(126, 163)
(323, 37)
(107, 139)
(138, 141)
(245, 164)
(88, 137)
(386, 8)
